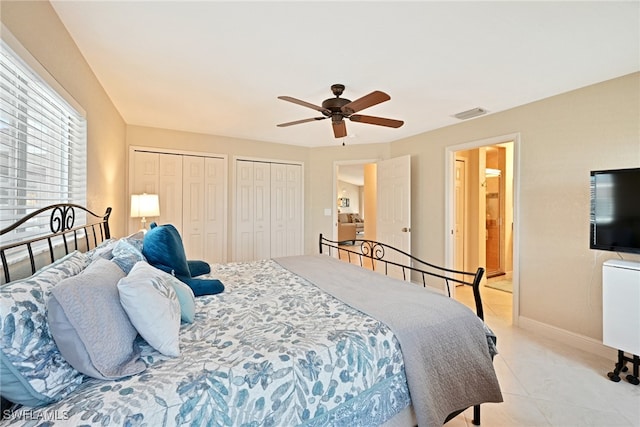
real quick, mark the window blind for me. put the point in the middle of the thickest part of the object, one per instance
(43, 143)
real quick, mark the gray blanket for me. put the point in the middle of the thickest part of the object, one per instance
(444, 346)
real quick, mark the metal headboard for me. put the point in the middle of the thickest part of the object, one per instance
(384, 254)
(61, 223)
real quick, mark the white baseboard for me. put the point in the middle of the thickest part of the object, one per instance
(570, 338)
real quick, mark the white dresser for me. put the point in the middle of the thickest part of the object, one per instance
(621, 305)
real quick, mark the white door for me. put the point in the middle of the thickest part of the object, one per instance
(278, 210)
(170, 190)
(294, 210)
(193, 193)
(393, 219)
(262, 210)
(215, 219)
(286, 210)
(245, 201)
(253, 210)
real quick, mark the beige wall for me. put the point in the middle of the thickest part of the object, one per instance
(562, 138)
(352, 192)
(36, 25)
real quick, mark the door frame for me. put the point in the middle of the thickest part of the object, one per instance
(449, 185)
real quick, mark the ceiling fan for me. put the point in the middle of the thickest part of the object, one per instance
(339, 109)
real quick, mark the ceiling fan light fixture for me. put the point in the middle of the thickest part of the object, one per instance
(469, 114)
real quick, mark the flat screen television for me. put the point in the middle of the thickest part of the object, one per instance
(615, 210)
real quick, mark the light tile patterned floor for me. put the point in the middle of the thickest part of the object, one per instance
(547, 383)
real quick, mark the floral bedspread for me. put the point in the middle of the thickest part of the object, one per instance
(271, 350)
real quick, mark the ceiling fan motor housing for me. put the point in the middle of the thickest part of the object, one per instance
(335, 106)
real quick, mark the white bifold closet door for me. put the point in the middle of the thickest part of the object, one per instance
(286, 210)
(269, 209)
(204, 206)
(192, 191)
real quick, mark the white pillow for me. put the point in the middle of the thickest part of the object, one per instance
(152, 306)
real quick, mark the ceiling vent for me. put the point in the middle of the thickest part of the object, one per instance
(469, 114)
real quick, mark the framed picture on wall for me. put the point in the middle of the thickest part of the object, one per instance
(343, 202)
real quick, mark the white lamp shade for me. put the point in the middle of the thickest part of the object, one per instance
(143, 205)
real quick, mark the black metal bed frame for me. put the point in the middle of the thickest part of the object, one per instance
(378, 252)
(62, 219)
(383, 253)
(61, 223)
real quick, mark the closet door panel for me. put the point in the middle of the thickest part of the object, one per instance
(244, 241)
(193, 187)
(262, 210)
(146, 173)
(170, 190)
(294, 211)
(215, 246)
(279, 204)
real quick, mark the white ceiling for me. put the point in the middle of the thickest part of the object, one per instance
(217, 67)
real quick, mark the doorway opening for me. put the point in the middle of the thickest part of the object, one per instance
(481, 197)
(355, 195)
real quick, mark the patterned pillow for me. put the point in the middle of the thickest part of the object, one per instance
(126, 253)
(32, 370)
(152, 305)
(103, 250)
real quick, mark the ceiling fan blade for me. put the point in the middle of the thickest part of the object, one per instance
(380, 121)
(339, 129)
(375, 97)
(306, 104)
(297, 122)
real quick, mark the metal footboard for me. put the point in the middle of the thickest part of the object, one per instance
(380, 256)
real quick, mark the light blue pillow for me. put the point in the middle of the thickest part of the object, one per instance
(185, 297)
(32, 370)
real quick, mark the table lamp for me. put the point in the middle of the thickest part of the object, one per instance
(143, 206)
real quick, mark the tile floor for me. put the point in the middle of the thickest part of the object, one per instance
(547, 383)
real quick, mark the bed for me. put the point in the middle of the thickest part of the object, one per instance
(291, 341)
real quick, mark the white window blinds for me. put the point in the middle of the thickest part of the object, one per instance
(42, 147)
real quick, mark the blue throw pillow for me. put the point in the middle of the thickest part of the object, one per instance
(203, 286)
(198, 268)
(164, 250)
